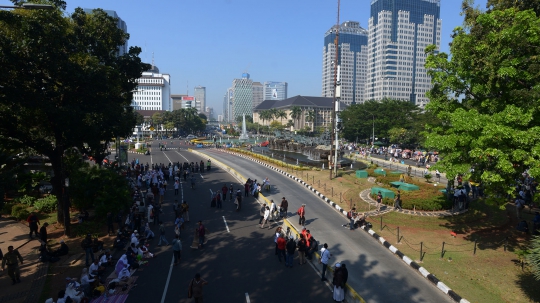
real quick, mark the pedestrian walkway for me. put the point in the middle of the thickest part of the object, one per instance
(33, 272)
(364, 195)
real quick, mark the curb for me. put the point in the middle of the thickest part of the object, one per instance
(426, 274)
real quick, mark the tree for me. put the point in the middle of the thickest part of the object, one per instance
(487, 96)
(310, 117)
(359, 120)
(533, 256)
(63, 84)
(296, 111)
(281, 114)
(273, 114)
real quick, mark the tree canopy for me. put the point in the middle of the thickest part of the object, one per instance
(487, 95)
(394, 121)
(62, 83)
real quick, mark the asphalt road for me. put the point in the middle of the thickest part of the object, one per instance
(237, 262)
(374, 272)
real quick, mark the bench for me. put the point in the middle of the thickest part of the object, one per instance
(386, 193)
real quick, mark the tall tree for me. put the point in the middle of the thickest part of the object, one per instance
(296, 112)
(488, 99)
(281, 114)
(310, 117)
(63, 85)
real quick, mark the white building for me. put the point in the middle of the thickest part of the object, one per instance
(353, 48)
(242, 97)
(153, 91)
(398, 37)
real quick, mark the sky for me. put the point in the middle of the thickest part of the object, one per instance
(211, 42)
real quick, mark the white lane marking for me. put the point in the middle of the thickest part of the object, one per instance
(247, 298)
(172, 260)
(226, 224)
(181, 155)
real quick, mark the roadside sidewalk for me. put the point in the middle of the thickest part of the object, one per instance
(33, 272)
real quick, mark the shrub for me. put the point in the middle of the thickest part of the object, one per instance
(6, 209)
(19, 211)
(27, 200)
(47, 204)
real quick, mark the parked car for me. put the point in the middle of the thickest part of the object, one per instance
(191, 137)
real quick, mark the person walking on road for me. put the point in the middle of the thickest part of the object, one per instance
(33, 222)
(266, 215)
(224, 190)
(176, 187)
(284, 206)
(231, 192)
(302, 215)
(281, 246)
(185, 211)
(162, 235)
(177, 249)
(302, 247)
(261, 212)
(201, 232)
(43, 233)
(291, 248)
(195, 289)
(351, 214)
(339, 284)
(10, 259)
(325, 256)
(238, 201)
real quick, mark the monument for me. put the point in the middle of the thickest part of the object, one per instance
(244, 136)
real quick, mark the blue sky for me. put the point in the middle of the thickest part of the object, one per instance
(211, 42)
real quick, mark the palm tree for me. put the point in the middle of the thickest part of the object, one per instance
(273, 113)
(281, 114)
(296, 111)
(263, 115)
(290, 124)
(310, 117)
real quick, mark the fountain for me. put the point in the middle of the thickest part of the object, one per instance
(244, 136)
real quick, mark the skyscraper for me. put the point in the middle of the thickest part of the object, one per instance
(122, 49)
(200, 98)
(242, 91)
(258, 95)
(353, 48)
(399, 31)
(275, 90)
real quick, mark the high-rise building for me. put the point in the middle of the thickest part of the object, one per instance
(227, 105)
(200, 98)
(242, 100)
(275, 90)
(153, 91)
(122, 49)
(352, 56)
(399, 32)
(258, 96)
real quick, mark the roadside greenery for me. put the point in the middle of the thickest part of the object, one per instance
(78, 95)
(486, 93)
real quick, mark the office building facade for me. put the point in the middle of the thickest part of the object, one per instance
(352, 58)
(242, 97)
(153, 91)
(399, 32)
(200, 98)
(273, 90)
(258, 94)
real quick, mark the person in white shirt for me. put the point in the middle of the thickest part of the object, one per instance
(273, 210)
(265, 219)
(95, 270)
(325, 256)
(106, 259)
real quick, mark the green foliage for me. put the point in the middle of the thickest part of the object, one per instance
(88, 227)
(19, 211)
(7, 208)
(397, 121)
(533, 256)
(99, 188)
(487, 96)
(27, 200)
(46, 204)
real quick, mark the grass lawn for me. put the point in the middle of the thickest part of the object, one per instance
(492, 275)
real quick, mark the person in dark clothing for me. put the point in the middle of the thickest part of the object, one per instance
(87, 244)
(313, 246)
(291, 248)
(33, 222)
(62, 250)
(43, 233)
(284, 206)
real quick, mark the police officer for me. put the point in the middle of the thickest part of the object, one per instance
(10, 258)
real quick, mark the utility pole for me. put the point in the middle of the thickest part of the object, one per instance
(334, 112)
